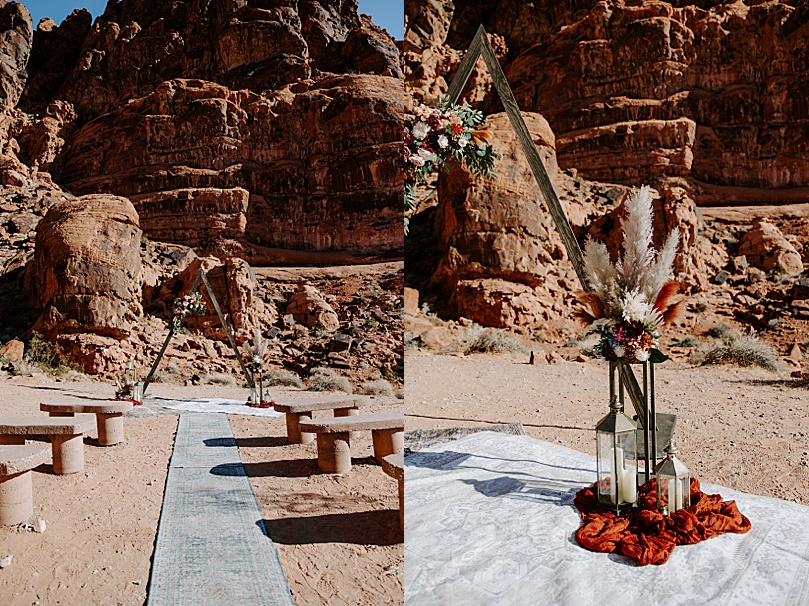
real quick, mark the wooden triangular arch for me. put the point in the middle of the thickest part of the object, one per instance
(480, 45)
(204, 279)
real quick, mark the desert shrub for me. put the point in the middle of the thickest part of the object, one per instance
(491, 340)
(282, 377)
(411, 342)
(49, 356)
(325, 379)
(689, 341)
(742, 350)
(719, 331)
(218, 378)
(378, 387)
(700, 307)
(172, 368)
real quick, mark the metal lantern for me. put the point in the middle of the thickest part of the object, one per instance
(673, 482)
(617, 460)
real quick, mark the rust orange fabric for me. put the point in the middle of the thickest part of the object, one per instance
(647, 535)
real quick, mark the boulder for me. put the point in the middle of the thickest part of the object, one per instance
(411, 300)
(233, 282)
(766, 248)
(309, 308)
(13, 350)
(86, 271)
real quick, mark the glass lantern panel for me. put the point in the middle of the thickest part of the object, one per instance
(627, 467)
(606, 485)
(617, 468)
(665, 488)
(684, 492)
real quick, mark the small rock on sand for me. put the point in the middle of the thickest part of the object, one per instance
(6, 561)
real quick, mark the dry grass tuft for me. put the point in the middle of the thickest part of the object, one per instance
(325, 379)
(741, 350)
(282, 377)
(491, 340)
(378, 387)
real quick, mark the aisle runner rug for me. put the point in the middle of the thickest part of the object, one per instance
(490, 520)
(212, 547)
(222, 405)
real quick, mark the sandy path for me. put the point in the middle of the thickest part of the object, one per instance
(743, 428)
(102, 524)
(338, 537)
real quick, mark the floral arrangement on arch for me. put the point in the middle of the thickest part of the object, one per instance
(189, 305)
(434, 135)
(632, 299)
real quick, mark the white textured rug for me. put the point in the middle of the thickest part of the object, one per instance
(490, 520)
(230, 407)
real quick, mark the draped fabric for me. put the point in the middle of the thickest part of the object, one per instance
(647, 535)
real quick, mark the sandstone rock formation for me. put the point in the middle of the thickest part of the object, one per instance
(233, 282)
(15, 46)
(309, 308)
(765, 247)
(275, 125)
(86, 272)
(678, 95)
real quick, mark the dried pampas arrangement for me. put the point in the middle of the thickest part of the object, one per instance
(634, 297)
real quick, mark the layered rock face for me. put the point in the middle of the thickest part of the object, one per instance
(86, 272)
(310, 166)
(705, 101)
(636, 92)
(276, 124)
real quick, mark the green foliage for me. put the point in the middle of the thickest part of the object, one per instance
(49, 356)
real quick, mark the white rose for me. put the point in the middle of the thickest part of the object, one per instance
(427, 155)
(619, 351)
(462, 142)
(442, 141)
(641, 355)
(420, 130)
(416, 160)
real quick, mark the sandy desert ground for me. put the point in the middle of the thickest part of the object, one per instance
(338, 537)
(744, 428)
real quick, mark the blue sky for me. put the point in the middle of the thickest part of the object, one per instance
(388, 14)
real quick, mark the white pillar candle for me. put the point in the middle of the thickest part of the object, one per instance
(629, 489)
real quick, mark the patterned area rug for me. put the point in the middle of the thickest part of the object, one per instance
(212, 546)
(424, 438)
(490, 520)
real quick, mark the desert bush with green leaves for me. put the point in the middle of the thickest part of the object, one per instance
(49, 356)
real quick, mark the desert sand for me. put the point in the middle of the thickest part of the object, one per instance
(338, 537)
(744, 428)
